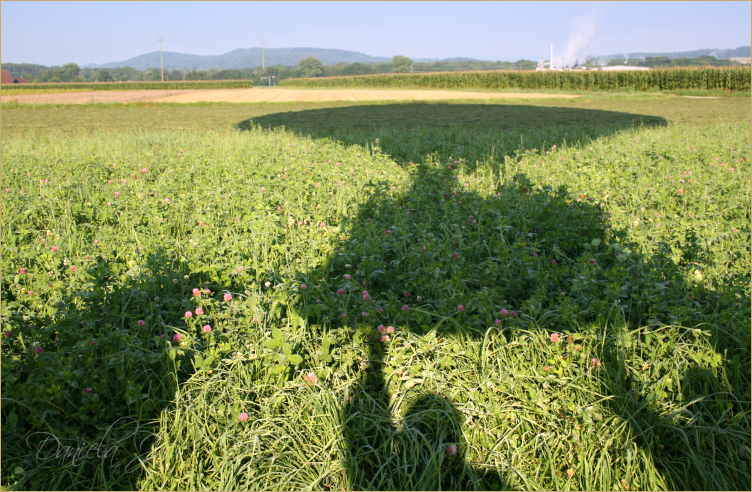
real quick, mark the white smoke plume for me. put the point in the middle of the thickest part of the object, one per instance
(578, 44)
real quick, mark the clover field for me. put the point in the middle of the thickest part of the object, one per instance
(552, 308)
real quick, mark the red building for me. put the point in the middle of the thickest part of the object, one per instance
(7, 78)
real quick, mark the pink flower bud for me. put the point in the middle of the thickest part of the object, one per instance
(177, 338)
(460, 308)
(199, 311)
(38, 349)
(140, 322)
(243, 416)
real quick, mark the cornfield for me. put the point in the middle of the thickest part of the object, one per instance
(140, 86)
(731, 79)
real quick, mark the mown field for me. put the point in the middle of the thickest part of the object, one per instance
(47, 88)
(420, 296)
(595, 110)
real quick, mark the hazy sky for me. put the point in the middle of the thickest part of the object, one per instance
(54, 33)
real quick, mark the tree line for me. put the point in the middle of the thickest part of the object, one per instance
(666, 62)
(307, 67)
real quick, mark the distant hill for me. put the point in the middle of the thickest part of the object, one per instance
(242, 58)
(742, 51)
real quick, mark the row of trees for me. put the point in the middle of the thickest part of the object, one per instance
(307, 67)
(666, 62)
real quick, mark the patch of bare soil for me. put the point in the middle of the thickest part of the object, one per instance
(290, 95)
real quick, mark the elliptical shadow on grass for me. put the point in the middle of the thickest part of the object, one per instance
(417, 116)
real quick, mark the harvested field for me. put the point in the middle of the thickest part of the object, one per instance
(267, 95)
(288, 95)
(91, 97)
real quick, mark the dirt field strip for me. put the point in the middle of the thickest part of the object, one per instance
(91, 97)
(285, 95)
(266, 95)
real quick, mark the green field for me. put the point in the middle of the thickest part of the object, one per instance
(593, 111)
(520, 295)
(728, 79)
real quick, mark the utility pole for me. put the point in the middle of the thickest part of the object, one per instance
(161, 64)
(263, 43)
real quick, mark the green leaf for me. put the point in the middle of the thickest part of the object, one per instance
(273, 343)
(287, 349)
(277, 334)
(295, 359)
